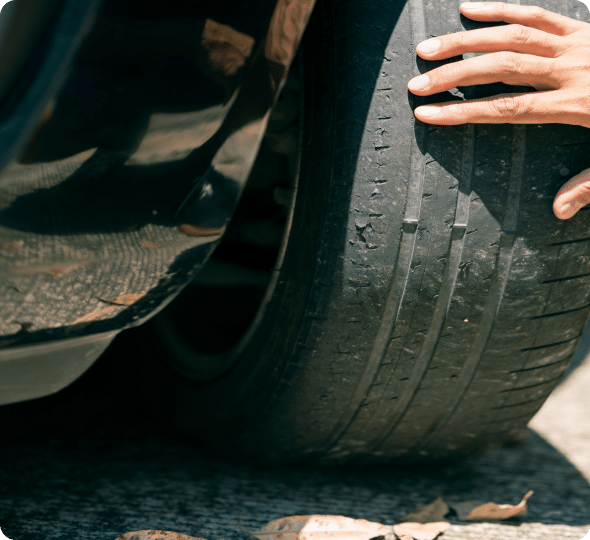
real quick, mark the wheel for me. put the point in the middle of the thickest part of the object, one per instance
(424, 302)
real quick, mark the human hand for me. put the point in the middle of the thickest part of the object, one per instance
(540, 49)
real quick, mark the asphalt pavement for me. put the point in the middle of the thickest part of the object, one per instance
(87, 464)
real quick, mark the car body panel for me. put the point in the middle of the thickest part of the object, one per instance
(133, 171)
(33, 371)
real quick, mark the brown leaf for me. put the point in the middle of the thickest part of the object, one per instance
(121, 300)
(155, 535)
(94, 315)
(476, 511)
(463, 509)
(429, 513)
(124, 299)
(321, 527)
(420, 531)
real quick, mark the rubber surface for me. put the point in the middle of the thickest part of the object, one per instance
(429, 300)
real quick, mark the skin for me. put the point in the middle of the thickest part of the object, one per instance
(537, 48)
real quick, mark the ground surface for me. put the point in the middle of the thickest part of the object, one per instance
(86, 464)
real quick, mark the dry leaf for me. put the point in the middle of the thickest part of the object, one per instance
(478, 511)
(499, 511)
(463, 509)
(429, 513)
(155, 535)
(124, 299)
(95, 315)
(121, 300)
(321, 527)
(420, 531)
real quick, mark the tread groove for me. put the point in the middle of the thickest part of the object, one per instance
(566, 242)
(566, 312)
(576, 143)
(499, 280)
(515, 389)
(559, 280)
(511, 419)
(520, 404)
(551, 345)
(541, 367)
(402, 266)
(447, 287)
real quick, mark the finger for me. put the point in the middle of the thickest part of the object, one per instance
(572, 196)
(514, 37)
(506, 67)
(533, 108)
(532, 16)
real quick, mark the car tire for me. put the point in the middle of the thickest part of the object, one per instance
(426, 300)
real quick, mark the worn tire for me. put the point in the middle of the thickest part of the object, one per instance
(428, 301)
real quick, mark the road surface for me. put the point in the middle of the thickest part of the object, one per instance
(87, 464)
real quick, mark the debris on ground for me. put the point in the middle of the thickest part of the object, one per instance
(420, 531)
(155, 535)
(489, 511)
(429, 513)
(318, 526)
(424, 523)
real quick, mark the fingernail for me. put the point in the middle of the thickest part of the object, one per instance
(429, 46)
(475, 6)
(419, 83)
(427, 110)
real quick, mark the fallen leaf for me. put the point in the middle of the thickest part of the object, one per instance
(321, 527)
(420, 531)
(429, 513)
(155, 535)
(94, 315)
(124, 299)
(463, 509)
(478, 511)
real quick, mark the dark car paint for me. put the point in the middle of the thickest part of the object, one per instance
(128, 177)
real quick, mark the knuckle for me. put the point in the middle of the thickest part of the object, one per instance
(577, 45)
(506, 107)
(458, 40)
(509, 62)
(520, 34)
(538, 13)
(447, 72)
